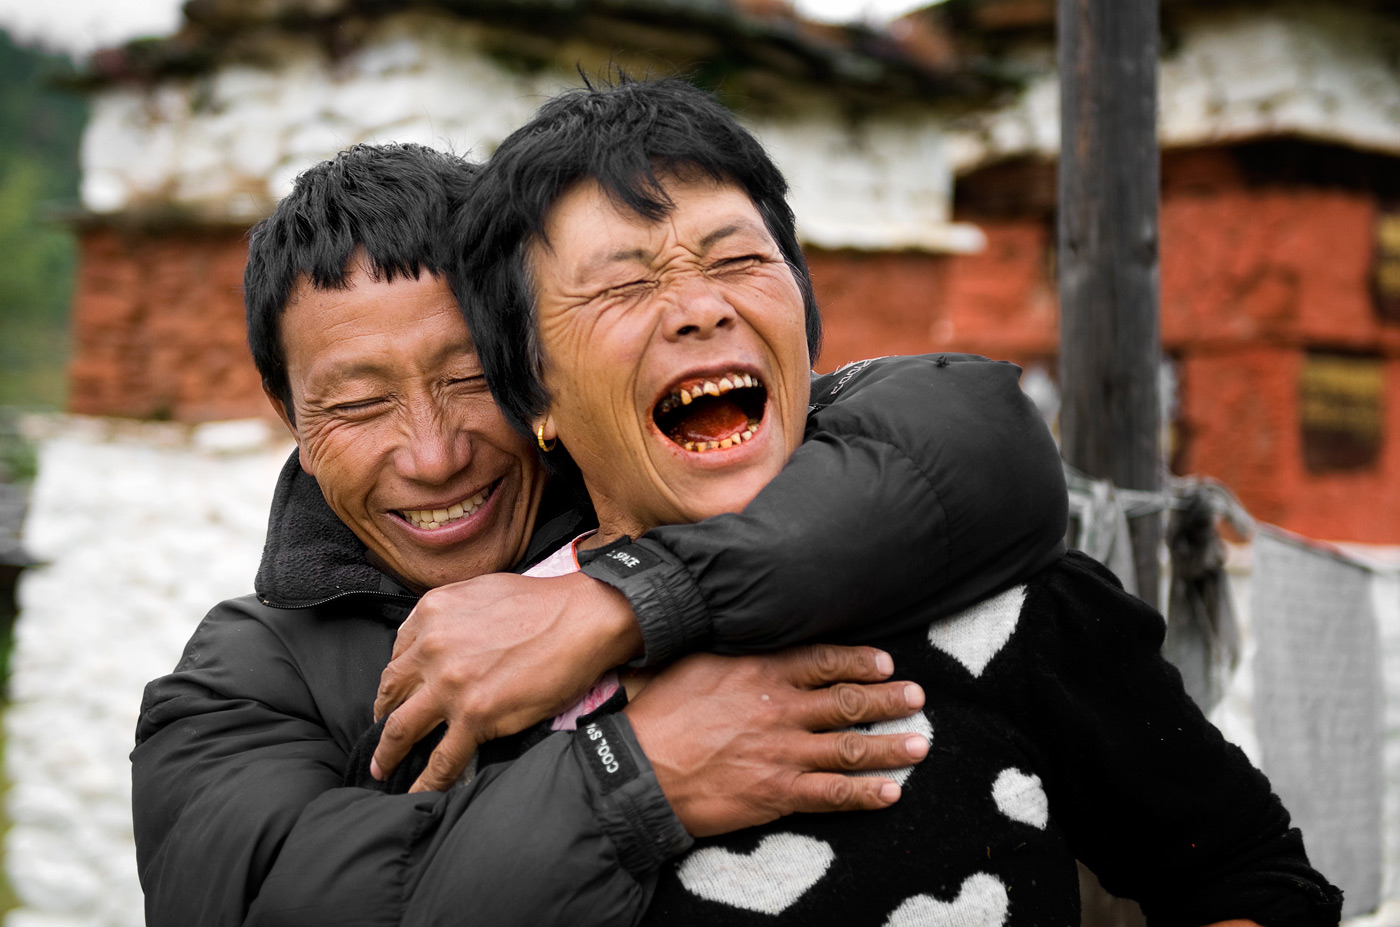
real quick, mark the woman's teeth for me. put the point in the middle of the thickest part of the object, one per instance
(429, 519)
(685, 397)
(738, 438)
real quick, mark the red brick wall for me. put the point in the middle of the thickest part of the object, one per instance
(999, 302)
(1251, 279)
(158, 327)
(874, 304)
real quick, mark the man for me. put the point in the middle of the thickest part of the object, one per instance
(238, 809)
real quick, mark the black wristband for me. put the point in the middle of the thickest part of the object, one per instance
(607, 754)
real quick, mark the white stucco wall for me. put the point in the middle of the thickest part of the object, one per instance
(229, 145)
(1308, 70)
(143, 528)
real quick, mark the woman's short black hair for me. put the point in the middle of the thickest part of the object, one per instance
(621, 135)
(396, 202)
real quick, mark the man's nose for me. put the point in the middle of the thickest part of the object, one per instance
(436, 448)
(698, 309)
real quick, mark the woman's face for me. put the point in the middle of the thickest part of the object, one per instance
(675, 352)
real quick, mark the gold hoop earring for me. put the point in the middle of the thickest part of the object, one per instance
(539, 437)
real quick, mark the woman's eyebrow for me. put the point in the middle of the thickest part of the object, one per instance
(601, 262)
(719, 234)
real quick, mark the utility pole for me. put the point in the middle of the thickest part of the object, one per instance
(1109, 187)
(1110, 339)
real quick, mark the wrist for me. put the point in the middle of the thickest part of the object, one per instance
(665, 599)
(612, 623)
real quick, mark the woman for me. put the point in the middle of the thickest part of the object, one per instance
(655, 329)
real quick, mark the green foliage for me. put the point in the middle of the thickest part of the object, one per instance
(18, 463)
(40, 131)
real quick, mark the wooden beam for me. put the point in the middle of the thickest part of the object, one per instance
(1109, 186)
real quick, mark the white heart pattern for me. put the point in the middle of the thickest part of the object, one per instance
(1021, 797)
(976, 634)
(981, 902)
(917, 723)
(778, 872)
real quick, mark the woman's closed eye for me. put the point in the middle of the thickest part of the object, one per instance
(740, 262)
(629, 288)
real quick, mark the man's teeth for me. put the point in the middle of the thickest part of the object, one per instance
(740, 438)
(436, 518)
(715, 387)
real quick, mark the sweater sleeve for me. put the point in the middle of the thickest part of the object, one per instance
(922, 482)
(1149, 794)
(240, 818)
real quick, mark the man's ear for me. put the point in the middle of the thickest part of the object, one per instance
(280, 408)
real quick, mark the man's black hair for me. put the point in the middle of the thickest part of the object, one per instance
(396, 202)
(621, 135)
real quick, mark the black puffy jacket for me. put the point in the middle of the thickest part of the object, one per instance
(923, 484)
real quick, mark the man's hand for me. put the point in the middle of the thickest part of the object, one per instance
(492, 656)
(736, 742)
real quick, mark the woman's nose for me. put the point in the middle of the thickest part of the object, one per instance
(698, 310)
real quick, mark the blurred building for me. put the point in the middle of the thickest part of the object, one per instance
(1280, 243)
(194, 137)
(922, 161)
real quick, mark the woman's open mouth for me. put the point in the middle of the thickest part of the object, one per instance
(712, 413)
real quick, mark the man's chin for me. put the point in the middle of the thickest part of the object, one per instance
(420, 577)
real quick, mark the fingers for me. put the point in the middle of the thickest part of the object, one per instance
(845, 704)
(822, 664)
(408, 633)
(447, 761)
(393, 690)
(403, 728)
(821, 792)
(852, 751)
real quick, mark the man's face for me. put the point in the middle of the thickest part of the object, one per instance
(675, 351)
(393, 418)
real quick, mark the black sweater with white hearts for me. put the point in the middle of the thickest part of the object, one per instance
(1057, 731)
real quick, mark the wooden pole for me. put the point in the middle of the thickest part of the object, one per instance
(1109, 186)
(1110, 344)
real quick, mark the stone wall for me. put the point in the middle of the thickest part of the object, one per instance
(142, 528)
(1309, 70)
(226, 146)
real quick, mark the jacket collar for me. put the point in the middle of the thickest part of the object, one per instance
(310, 556)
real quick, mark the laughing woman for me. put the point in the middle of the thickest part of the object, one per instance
(642, 309)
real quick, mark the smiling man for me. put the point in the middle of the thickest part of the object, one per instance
(417, 459)
(406, 478)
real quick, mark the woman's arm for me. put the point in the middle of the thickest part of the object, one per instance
(1148, 793)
